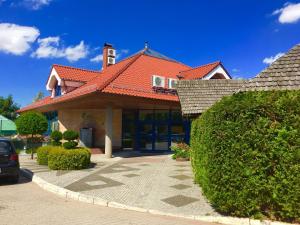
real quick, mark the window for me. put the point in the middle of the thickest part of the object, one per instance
(57, 90)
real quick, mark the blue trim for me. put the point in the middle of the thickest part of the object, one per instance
(169, 122)
(57, 90)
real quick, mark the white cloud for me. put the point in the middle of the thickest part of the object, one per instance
(35, 4)
(97, 58)
(16, 39)
(50, 48)
(271, 59)
(290, 13)
(74, 53)
(235, 70)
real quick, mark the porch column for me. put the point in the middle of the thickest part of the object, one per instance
(108, 131)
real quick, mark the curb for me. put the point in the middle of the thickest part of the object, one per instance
(101, 202)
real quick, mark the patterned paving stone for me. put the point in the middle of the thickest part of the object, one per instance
(117, 168)
(131, 175)
(179, 200)
(180, 186)
(90, 183)
(94, 183)
(181, 177)
(180, 165)
(61, 172)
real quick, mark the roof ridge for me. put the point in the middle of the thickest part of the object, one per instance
(76, 68)
(219, 62)
(118, 73)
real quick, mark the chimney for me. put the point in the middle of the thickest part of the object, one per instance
(109, 55)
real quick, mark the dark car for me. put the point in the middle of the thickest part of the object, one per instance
(9, 161)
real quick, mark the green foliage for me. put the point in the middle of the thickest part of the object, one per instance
(181, 150)
(32, 123)
(245, 154)
(8, 107)
(62, 159)
(70, 144)
(56, 137)
(42, 154)
(70, 135)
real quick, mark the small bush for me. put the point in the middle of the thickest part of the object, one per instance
(70, 135)
(56, 137)
(42, 154)
(70, 144)
(62, 159)
(181, 150)
(245, 154)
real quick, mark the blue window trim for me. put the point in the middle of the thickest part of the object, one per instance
(57, 90)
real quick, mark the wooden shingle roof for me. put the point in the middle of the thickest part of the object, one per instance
(283, 74)
(196, 96)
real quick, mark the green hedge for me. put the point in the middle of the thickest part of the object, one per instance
(42, 154)
(75, 159)
(246, 154)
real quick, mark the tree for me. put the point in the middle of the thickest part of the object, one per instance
(39, 96)
(33, 125)
(8, 107)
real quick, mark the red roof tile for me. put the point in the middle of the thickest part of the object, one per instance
(131, 76)
(75, 74)
(199, 72)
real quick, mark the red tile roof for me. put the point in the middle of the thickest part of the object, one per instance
(200, 71)
(131, 76)
(75, 74)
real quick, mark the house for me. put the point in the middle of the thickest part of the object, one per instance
(131, 104)
(196, 96)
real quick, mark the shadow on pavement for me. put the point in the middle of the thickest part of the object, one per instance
(4, 181)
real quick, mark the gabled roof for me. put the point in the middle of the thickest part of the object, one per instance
(283, 74)
(196, 96)
(131, 76)
(75, 74)
(200, 71)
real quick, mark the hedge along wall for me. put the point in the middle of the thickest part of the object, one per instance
(246, 154)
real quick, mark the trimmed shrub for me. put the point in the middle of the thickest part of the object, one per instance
(70, 144)
(62, 159)
(56, 137)
(181, 151)
(42, 154)
(32, 124)
(71, 137)
(245, 154)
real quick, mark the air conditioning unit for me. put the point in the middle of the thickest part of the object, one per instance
(111, 52)
(158, 81)
(172, 83)
(111, 60)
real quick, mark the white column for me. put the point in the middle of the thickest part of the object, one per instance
(108, 131)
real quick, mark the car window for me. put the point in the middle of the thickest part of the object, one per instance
(5, 147)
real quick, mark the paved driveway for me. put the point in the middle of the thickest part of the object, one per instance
(148, 182)
(27, 204)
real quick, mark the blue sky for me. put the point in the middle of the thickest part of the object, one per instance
(34, 34)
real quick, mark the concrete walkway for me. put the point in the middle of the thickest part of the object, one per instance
(148, 182)
(26, 203)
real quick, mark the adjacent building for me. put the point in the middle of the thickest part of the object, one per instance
(196, 96)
